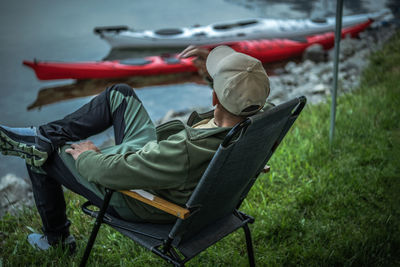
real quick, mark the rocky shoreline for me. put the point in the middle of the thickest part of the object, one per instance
(311, 77)
(15, 193)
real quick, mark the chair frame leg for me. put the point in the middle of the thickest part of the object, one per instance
(249, 244)
(96, 227)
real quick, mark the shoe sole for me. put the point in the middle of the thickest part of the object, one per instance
(29, 153)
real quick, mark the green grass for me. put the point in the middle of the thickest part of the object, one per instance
(319, 206)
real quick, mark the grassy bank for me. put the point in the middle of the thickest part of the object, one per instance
(319, 206)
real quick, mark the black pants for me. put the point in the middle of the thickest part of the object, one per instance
(91, 119)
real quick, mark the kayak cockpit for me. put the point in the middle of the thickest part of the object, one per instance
(229, 26)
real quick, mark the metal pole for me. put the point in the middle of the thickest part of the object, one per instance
(338, 35)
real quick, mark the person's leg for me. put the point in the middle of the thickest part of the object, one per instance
(117, 106)
(57, 171)
(50, 203)
(49, 199)
(131, 120)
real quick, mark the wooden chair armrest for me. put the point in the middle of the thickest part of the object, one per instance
(163, 204)
(157, 202)
(266, 169)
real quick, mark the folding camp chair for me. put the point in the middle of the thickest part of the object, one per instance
(212, 212)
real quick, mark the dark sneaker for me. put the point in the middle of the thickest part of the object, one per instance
(40, 242)
(26, 143)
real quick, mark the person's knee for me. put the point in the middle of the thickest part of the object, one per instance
(123, 89)
(121, 94)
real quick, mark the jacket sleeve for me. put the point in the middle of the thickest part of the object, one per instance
(162, 165)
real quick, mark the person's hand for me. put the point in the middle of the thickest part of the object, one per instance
(77, 149)
(200, 55)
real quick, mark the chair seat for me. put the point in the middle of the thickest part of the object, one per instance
(149, 235)
(211, 234)
(153, 235)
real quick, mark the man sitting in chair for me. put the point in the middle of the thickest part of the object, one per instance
(167, 160)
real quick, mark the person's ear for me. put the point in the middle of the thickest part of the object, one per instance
(215, 100)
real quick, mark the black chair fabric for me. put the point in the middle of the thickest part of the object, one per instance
(234, 168)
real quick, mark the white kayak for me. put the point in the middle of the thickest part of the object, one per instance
(231, 31)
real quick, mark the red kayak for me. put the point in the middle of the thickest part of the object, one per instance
(279, 49)
(154, 65)
(265, 50)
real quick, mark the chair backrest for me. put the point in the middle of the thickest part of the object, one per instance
(235, 166)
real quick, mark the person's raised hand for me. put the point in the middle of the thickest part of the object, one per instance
(79, 148)
(200, 55)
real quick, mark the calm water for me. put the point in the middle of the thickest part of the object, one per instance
(63, 30)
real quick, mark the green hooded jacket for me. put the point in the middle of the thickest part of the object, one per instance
(169, 167)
